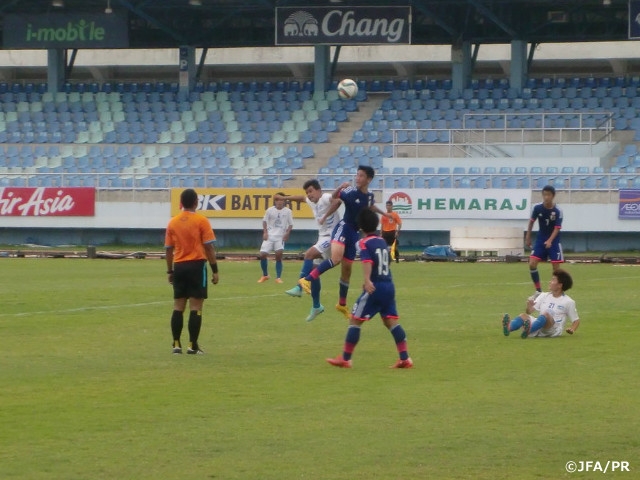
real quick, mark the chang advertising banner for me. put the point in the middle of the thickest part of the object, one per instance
(486, 204)
(57, 30)
(629, 204)
(47, 202)
(634, 19)
(239, 202)
(331, 25)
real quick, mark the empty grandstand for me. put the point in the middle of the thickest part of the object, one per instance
(134, 133)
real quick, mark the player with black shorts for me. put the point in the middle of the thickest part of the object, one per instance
(189, 245)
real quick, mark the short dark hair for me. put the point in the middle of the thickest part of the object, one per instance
(189, 198)
(370, 172)
(389, 202)
(312, 183)
(368, 221)
(281, 194)
(550, 189)
(564, 278)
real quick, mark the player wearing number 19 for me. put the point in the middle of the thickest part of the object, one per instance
(378, 295)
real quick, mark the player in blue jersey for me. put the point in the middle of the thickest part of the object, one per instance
(378, 295)
(547, 246)
(344, 237)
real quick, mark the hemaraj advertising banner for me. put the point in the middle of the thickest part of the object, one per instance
(58, 30)
(629, 206)
(487, 204)
(371, 25)
(47, 202)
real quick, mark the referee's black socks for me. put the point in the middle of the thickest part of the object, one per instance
(195, 322)
(176, 326)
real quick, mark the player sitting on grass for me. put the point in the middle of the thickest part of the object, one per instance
(378, 295)
(553, 307)
(320, 203)
(345, 235)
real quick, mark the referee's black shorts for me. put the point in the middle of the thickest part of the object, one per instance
(389, 236)
(190, 279)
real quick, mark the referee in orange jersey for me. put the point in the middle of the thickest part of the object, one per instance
(189, 245)
(390, 230)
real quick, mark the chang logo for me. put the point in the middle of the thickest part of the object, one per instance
(402, 203)
(301, 24)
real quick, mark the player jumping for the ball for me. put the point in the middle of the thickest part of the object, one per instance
(547, 244)
(345, 234)
(553, 307)
(320, 203)
(378, 295)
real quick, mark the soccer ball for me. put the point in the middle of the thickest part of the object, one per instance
(347, 89)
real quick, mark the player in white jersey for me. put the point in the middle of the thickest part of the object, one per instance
(553, 307)
(276, 227)
(320, 203)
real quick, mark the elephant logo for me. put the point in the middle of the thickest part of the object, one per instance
(301, 24)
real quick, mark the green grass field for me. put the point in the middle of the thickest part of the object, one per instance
(89, 389)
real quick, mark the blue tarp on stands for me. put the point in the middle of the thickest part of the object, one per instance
(439, 251)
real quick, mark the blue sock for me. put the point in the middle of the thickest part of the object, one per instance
(344, 290)
(535, 276)
(263, 265)
(515, 324)
(320, 269)
(538, 323)
(307, 266)
(278, 268)
(353, 336)
(400, 338)
(315, 292)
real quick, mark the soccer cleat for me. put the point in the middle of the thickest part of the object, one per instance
(339, 362)
(344, 310)
(295, 291)
(408, 363)
(263, 278)
(526, 328)
(505, 324)
(315, 312)
(177, 348)
(279, 280)
(194, 351)
(305, 285)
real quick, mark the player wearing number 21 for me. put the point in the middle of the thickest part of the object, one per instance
(378, 295)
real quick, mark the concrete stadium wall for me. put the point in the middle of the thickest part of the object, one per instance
(587, 226)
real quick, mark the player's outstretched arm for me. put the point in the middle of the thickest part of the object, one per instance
(210, 252)
(381, 212)
(293, 198)
(336, 192)
(574, 326)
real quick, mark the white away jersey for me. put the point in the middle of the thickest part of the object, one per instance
(319, 209)
(278, 222)
(561, 308)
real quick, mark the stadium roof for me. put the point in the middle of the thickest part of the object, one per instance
(236, 23)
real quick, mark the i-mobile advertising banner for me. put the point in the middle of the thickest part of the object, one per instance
(489, 204)
(57, 30)
(333, 25)
(239, 202)
(629, 206)
(47, 202)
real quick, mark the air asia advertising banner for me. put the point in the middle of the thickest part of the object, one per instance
(487, 204)
(57, 30)
(343, 25)
(47, 202)
(629, 206)
(239, 202)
